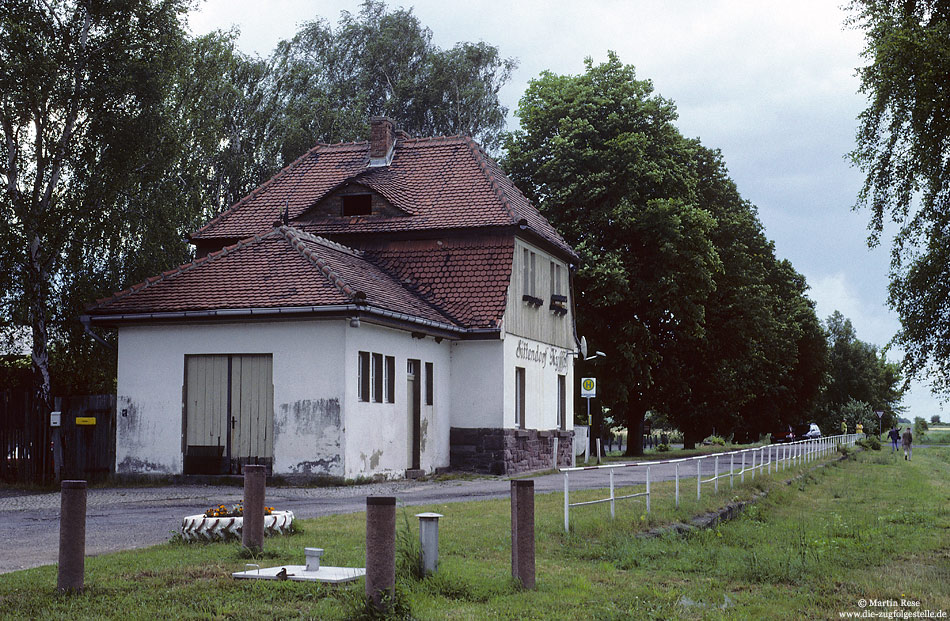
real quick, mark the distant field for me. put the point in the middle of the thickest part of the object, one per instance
(872, 527)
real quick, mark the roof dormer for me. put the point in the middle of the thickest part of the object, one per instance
(351, 200)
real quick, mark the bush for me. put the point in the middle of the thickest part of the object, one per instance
(662, 448)
(870, 443)
(716, 440)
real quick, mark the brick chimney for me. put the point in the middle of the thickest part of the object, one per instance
(382, 139)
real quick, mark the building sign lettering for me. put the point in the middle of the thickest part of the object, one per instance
(543, 355)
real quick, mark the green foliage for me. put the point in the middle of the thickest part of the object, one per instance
(673, 262)
(861, 381)
(935, 419)
(920, 426)
(663, 448)
(871, 443)
(902, 151)
(327, 82)
(716, 441)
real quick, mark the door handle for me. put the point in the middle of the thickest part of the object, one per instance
(233, 421)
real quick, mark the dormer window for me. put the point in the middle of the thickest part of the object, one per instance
(357, 204)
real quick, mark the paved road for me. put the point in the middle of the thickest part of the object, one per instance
(127, 518)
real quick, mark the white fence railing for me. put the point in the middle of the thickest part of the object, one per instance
(771, 457)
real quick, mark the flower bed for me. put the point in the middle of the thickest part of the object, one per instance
(222, 524)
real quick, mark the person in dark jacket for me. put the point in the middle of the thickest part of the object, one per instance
(906, 441)
(895, 437)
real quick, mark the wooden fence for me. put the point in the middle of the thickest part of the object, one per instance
(31, 451)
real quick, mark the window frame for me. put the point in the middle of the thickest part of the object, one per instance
(430, 380)
(363, 376)
(520, 400)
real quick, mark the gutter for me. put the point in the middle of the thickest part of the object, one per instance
(292, 311)
(85, 321)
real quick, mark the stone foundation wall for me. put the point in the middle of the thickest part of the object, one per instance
(508, 451)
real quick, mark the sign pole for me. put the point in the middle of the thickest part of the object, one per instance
(589, 391)
(589, 428)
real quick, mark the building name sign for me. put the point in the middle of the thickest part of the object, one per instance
(543, 355)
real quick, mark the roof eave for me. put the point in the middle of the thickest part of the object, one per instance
(369, 313)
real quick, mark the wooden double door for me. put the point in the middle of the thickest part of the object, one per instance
(228, 412)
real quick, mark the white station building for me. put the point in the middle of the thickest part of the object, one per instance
(388, 307)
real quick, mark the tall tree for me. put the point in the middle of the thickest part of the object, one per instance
(78, 87)
(328, 81)
(903, 150)
(857, 372)
(600, 156)
(759, 363)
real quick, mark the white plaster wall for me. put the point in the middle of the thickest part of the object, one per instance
(308, 390)
(542, 364)
(478, 384)
(377, 434)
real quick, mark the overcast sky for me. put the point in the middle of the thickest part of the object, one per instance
(772, 84)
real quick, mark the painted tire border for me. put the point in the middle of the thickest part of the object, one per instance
(201, 528)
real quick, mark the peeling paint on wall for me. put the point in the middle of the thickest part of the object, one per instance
(423, 434)
(374, 459)
(130, 465)
(127, 421)
(307, 437)
(317, 466)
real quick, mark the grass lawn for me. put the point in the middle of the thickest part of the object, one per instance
(871, 527)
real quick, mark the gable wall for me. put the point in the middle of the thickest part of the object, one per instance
(538, 323)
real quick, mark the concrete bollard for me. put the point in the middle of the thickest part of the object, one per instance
(72, 537)
(252, 531)
(380, 548)
(313, 558)
(522, 532)
(429, 540)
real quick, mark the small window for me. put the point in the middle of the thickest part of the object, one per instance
(555, 279)
(390, 379)
(526, 273)
(364, 384)
(519, 397)
(561, 402)
(357, 204)
(533, 274)
(430, 390)
(378, 378)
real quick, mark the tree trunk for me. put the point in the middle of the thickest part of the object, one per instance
(690, 437)
(635, 415)
(43, 403)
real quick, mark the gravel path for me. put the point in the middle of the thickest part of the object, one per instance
(127, 518)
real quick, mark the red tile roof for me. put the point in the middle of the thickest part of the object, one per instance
(465, 278)
(442, 183)
(284, 268)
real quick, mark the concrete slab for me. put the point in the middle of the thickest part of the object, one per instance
(331, 575)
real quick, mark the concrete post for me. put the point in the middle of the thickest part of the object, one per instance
(522, 532)
(72, 537)
(313, 558)
(429, 540)
(676, 476)
(380, 548)
(252, 530)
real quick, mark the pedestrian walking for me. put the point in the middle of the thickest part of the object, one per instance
(907, 441)
(895, 436)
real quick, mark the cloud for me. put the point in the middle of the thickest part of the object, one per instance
(873, 322)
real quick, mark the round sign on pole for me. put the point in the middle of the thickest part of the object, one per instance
(589, 387)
